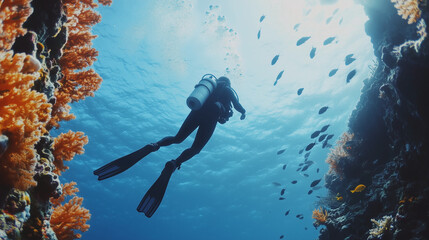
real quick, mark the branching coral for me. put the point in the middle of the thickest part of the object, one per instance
(78, 54)
(421, 32)
(13, 14)
(23, 115)
(338, 152)
(70, 217)
(381, 226)
(408, 9)
(320, 216)
(66, 146)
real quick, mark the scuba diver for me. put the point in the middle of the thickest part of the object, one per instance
(211, 102)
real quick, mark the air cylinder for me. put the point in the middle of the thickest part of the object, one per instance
(202, 91)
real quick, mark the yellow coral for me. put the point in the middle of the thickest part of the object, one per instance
(65, 147)
(320, 216)
(381, 226)
(408, 9)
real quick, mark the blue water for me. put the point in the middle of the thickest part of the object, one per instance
(152, 53)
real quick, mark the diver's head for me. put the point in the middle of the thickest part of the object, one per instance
(224, 81)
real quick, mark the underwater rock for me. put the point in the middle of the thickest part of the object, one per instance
(391, 137)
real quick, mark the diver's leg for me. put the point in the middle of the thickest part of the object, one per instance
(205, 131)
(189, 125)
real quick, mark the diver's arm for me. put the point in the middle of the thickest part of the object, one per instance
(237, 104)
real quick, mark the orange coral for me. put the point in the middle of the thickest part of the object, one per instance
(320, 216)
(338, 152)
(71, 217)
(105, 2)
(408, 9)
(78, 54)
(13, 14)
(24, 113)
(65, 147)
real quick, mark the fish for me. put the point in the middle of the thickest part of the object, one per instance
(275, 58)
(282, 198)
(308, 12)
(313, 52)
(302, 40)
(262, 18)
(310, 146)
(329, 136)
(281, 151)
(315, 182)
(358, 188)
(259, 34)
(301, 164)
(318, 196)
(296, 26)
(294, 182)
(276, 184)
(287, 212)
(300, 216)
(315, 134)
(282, 192)
(305, 168)
(317, 188)
(307, 154)
(351, 75)
(282, 236)
(306, 228)
(310, 192)
(335, 11)
(309, 163)
(317, 170)
(324, 128)
(305, 175)
(298, 169)
(328, 40)
(349, 59)
(284, 166)
(322, 137)
(332, 72)
(325, 143)
(323, 109)
(299, 92)
(278, 77)
(341, 21)
(338, 197)
(328, 20)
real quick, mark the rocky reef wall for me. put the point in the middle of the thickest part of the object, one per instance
(45, 55)
(385, 157)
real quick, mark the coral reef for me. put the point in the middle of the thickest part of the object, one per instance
(65, 147)
(320, 216)
(381, 227)
(71, 216)
(391, 135)
(45, 60)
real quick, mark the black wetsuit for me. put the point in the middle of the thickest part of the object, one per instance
(205, 119)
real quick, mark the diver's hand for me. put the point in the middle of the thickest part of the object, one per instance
(243, 116)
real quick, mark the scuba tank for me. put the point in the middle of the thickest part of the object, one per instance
(202, 91)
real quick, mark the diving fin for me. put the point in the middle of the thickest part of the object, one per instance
(153, 197)
(121, 164)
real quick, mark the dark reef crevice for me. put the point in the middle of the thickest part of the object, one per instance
(390, 148)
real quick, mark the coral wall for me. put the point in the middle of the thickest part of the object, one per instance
(45, 52)
(389, 150)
